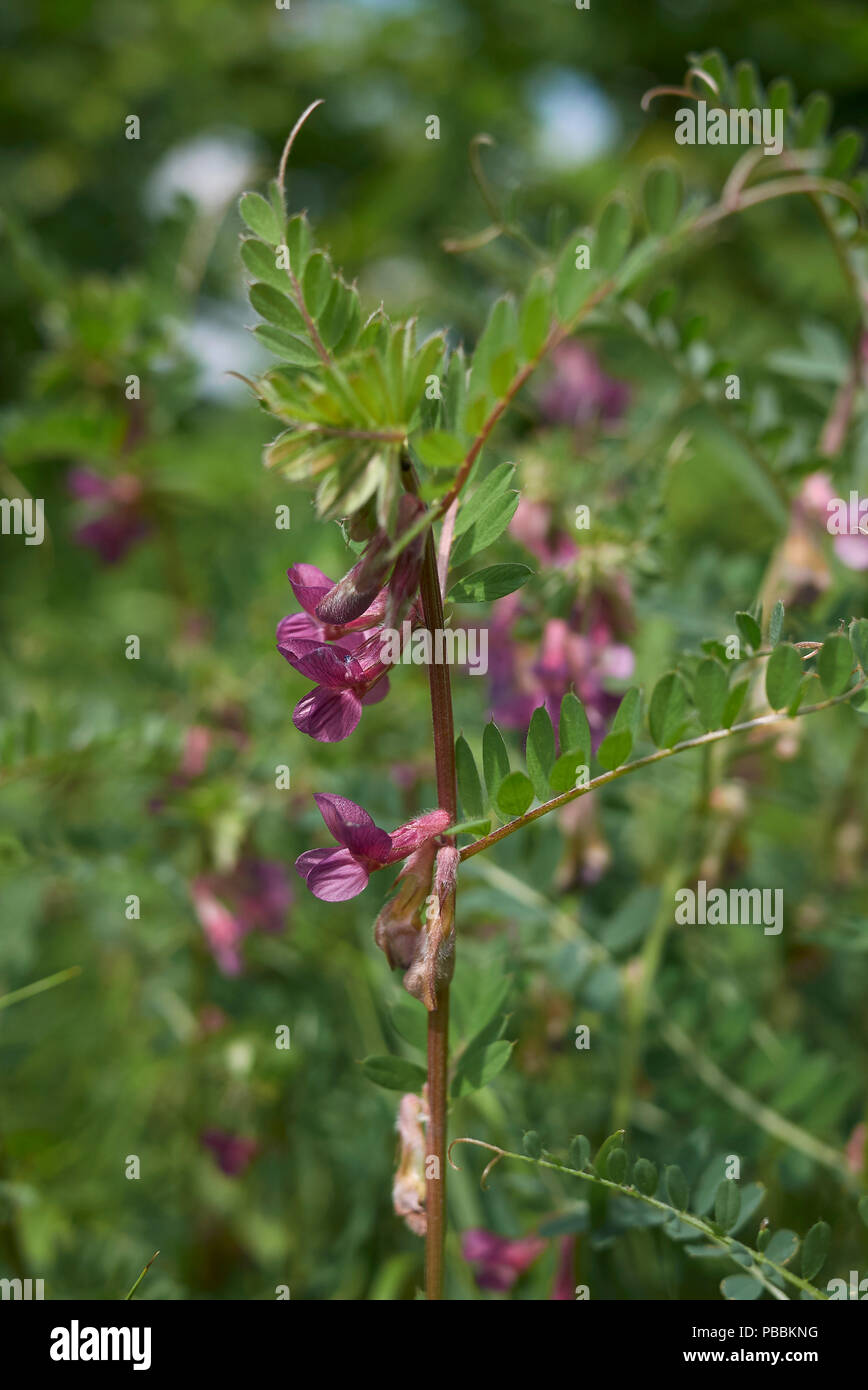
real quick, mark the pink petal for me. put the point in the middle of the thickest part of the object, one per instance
(353, 827)
(309, 585)
(330, 666)
(852, 551)
(83, 482)
(377, 692)
(329, 716)
(520, 1254)
(481, 1245)
(368, 663)
(298, 627)
(335, 877)
(311, 858)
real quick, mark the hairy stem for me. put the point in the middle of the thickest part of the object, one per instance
(438, 1019)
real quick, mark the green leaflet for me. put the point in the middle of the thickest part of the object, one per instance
(616, 747)
(613, 233)
(492, 583)
(289, 347)
(473, 798)
(540, 751)
(277, 308)
(783, 676)
(710, 692)
(835, 664)
(514, 796)
(394, 1073)
(727, 1204)
(662, 194)
(859, 641)
(438, 449)
(261, 261)
(575, 277)
(574, 731)
(316, 283)
(495, 759)
(261, 217)
(492, 520)
(535, 316)
(668, 711)
(480, 1065)
(749, 630)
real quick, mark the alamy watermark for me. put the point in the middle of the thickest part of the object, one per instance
(444, 646)
(740, 125)
(23, 516)
(26, 1289)
(76, 1343)
(847, 518)
(752, 907)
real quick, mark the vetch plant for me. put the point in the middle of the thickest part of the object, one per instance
(391, 431)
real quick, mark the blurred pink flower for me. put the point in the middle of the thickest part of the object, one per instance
(535, 527)
(580, 393)
(856, 1149)
(255, 896)
(232, 1152)
(499, 1261)
(194, 754)
(811, 505)
(118, 522)
(581, 652)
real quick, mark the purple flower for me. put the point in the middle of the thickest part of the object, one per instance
(311, 587)
(581, 652)
(348, 600)
(533, 524)
(334, 875)
(232, 1151)
(499, 1261)
(352, 596)
(120, 525)
(255, 896)
(347, 678)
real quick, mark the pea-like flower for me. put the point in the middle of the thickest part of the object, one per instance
(347, 678)
(334, 875)
(311, 587)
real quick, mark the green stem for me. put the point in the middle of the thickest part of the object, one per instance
(726, 1243)
(128, 1296)
(700, 741)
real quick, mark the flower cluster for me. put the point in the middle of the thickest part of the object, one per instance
(584, 651)
(337, 639)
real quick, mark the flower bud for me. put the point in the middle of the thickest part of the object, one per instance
(353, 595)
(408, 1189)
(397, 928)
(434, 961)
